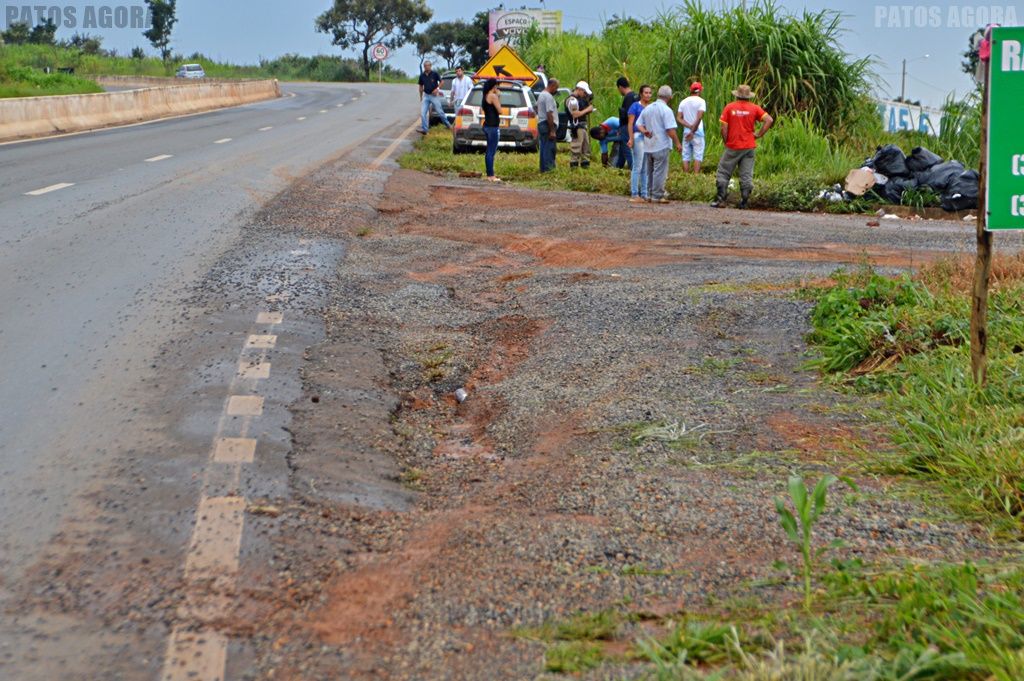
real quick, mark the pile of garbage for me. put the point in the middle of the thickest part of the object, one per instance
(890, 173)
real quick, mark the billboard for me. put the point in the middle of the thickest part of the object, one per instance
(507, 25)
(902, 117)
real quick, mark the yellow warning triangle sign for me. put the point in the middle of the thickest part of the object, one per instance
(506, 65)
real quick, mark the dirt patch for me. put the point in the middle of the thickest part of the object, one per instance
(614, 451)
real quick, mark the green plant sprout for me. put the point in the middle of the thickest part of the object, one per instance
(809, 505)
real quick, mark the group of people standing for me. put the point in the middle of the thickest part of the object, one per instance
(647, 130)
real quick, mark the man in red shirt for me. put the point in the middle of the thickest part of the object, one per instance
(740, 134)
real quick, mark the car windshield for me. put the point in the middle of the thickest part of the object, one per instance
(510, 98)
(446, 82)
(194, 68)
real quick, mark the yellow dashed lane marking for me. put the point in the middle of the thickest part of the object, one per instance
(235, 450)
(272, 318)
(217, 538)
(261, 342)
(195, 655)
(245, 405)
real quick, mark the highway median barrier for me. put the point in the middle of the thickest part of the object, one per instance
(154, 98)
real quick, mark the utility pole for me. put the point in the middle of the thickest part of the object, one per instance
(903, 87)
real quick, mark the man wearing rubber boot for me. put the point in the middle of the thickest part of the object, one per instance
(740, 134)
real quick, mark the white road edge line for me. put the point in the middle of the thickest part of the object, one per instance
(391, 147)
(51, 188)
(161, 157)
(223, 141)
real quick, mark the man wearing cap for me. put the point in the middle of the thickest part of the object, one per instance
(691, 123)
(657, 123)
(740, 134)
(579, 108)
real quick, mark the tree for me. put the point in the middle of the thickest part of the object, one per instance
(424, 47)
(971, 58)
(164, 18)
(477, 42)
(364, 23)
(447, 39)
(16, 34)
(88, 44)
(44, 33)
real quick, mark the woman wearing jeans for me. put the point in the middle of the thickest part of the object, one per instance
(492, 105)
(638, 175)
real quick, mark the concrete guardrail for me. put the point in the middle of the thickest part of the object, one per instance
(27, 117)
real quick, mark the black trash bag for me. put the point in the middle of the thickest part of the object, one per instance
(892, 191)
(921, 159)
(890, 161)
(940, 176)
(962, 193)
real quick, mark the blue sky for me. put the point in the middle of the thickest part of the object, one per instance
(244, 30)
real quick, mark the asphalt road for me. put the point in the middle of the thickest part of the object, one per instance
(102, 237)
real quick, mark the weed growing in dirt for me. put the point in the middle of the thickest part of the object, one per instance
(799, 526)
(573, 657)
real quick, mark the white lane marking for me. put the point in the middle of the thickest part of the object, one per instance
(223, 141)
(217, 538)
(161, 157)
(272, 318)
(51, 188)
(269, 127)
(245, 405)
(259, 371)
(301, 118)
(391, 147)
(323, 110)
(339, 105)
(195, 655)
(259, 342)
(235, 450)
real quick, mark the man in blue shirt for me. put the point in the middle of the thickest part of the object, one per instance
(430, 98)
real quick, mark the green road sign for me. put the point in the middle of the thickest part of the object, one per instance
(1005, 182)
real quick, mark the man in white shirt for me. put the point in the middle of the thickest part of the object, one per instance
(691, 120)
(461, 85)
(657, 123)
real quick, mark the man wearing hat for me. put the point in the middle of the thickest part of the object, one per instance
(691, 123)
(657, 123)
(579, 108)
(740, 134)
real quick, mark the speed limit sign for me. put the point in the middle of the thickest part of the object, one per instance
(380, 52)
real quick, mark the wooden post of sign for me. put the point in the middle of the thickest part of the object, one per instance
(983, 262)
(589, 80)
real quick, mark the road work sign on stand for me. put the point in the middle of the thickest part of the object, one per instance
(1005, 203)
(507, 65)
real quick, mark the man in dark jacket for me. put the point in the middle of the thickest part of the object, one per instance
(624, 158)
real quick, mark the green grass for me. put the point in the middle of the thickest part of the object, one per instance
(908, 340)
(32, 59)
(777, 185)
(20, 81)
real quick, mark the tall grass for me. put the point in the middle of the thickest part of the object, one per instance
(818, 94)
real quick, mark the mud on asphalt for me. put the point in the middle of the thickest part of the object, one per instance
(636, 397)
